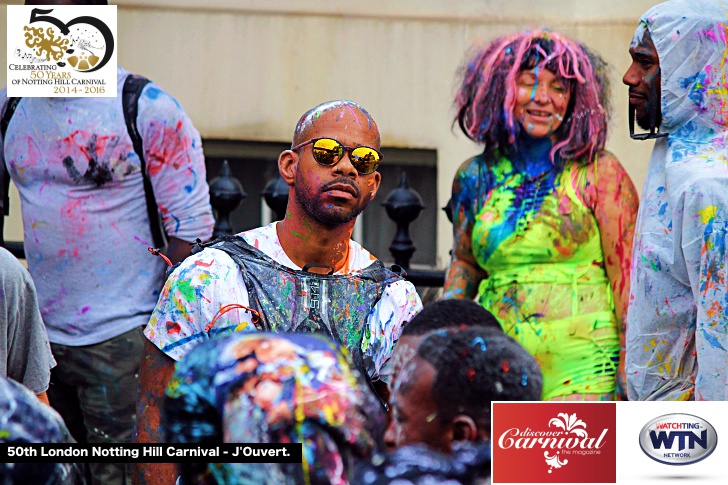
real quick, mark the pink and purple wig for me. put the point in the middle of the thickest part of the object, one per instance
(486, 97)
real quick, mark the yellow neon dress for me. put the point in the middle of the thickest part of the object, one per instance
(541, 248)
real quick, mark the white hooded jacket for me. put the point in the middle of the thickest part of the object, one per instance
(677, 324)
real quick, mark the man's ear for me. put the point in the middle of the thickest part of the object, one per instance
(374, 182)
(287, 166)
(464, 428)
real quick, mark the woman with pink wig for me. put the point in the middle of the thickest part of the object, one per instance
(543, 218)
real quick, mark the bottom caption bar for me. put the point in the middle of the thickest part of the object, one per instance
(151, 453)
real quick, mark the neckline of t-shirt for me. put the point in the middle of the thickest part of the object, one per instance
(289, 263)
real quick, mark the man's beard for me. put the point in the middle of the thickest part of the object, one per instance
(643, 121)
(325, 213)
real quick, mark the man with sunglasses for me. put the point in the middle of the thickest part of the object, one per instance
(677, 323)
(302, 274)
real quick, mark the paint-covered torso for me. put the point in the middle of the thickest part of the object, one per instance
(534, 218)
(86, 229)
(540, 245)
(207, 281)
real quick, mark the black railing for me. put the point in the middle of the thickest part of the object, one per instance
(403, 206)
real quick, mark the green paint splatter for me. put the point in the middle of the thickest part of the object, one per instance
(187, 290)
(300, 236)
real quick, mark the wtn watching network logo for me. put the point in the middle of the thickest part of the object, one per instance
(678, 439)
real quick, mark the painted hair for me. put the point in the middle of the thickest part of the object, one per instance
(478, 365)
(486, 96)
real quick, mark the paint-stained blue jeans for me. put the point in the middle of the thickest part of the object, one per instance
(94, 388)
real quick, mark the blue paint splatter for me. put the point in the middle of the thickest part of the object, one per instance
(478, 341)
(712, 340)
(152, 92)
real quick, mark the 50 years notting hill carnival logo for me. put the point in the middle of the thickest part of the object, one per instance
(554, 442)
(62, 51)
(678, 439)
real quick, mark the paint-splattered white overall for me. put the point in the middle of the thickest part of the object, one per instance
(677, 336)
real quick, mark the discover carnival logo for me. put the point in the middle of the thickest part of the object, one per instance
(572, 440)
(678, 439)
(573, 443)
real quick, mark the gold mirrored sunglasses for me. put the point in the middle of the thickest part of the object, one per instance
(328, 152)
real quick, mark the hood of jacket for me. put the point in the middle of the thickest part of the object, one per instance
(690, 38)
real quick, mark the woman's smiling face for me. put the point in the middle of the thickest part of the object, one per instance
(541, 102)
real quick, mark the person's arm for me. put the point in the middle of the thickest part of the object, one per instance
(703, 225)
(178, 250)
(155, 373)
(398, 305)
(615, 203)
(464, 274)
(190, 299)
(176, 168)
(43, 397)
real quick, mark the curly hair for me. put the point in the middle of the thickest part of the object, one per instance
(486, 97)
(450, 313)
(475, 366)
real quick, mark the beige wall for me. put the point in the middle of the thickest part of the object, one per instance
(249, 69)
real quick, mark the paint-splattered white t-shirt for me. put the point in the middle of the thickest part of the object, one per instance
(86, 229)
(209, 280)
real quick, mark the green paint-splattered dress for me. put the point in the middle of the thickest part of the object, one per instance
(541, 247)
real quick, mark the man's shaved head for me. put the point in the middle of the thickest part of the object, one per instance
(309, 120)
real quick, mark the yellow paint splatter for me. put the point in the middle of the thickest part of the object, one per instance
(707, 214)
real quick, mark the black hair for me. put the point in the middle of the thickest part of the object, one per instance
(475, 366)
(450, 313)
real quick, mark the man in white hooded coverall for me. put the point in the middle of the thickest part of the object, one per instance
(677, 335)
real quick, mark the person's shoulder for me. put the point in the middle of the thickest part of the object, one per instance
(154, 99)
(209, 261)
(359, 257)
(263, 233)
(265, 239)
(6, 258)
(471, 166)
(10, 265)
(605, 166)
(607, 160)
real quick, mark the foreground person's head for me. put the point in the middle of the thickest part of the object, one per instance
(435, 316)
(24, 419)
(443, 394)
(468, 464)
(272, 388)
